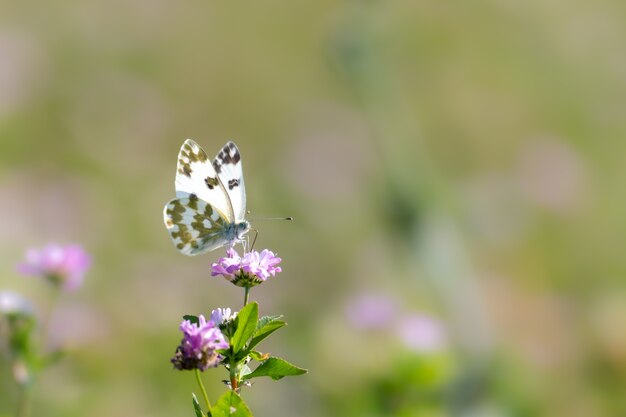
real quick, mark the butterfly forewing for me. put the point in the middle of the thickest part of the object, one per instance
(194, 225)
(196, 175)
(227, 165)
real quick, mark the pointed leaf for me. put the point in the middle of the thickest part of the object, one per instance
(276, 368)
(246, 325)
(264, 331)
(230, 405)
(196, 407)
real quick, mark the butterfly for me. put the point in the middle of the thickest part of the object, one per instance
(210, 205)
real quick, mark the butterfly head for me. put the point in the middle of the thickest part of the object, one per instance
(241, 228)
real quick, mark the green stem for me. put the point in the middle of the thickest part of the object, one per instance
(245, 295)
(234, 380)
(204, 394)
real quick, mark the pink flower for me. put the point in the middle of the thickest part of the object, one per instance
(247, 271)
(199, 345)
(64, 266)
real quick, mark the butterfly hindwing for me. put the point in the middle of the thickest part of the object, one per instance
(227, 165)
(196, 174)
(194, 225)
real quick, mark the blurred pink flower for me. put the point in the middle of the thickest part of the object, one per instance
(422, 333)
(371, 311)
(64, 266)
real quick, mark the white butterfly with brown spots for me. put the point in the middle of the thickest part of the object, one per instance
(210, 205)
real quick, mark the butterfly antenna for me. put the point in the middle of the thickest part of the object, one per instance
(272, 218)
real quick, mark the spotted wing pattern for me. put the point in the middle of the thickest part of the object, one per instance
(227, 165)
(194, 225)
(195, 174)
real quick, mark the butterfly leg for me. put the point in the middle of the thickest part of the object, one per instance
(245, 243)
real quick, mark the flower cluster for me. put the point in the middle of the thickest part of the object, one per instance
(63, 266)
(248, 271)
(197, 349)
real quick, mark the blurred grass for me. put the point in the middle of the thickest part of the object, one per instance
(463, 159)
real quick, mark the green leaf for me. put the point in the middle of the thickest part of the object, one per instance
(266, 319)
(196, 407)
(246, 325)
(230, 405)
(192, 319)
(258, 356)
(262, 331)
(276, 368)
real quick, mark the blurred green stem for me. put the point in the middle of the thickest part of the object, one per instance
(204, 394)
(245, 295)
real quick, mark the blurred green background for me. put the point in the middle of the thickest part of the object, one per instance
(462, 163)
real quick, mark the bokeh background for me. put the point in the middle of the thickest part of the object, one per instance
(456, 171)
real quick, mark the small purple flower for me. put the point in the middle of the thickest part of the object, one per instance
(247, 271)
(198, 347)
(64, 266)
